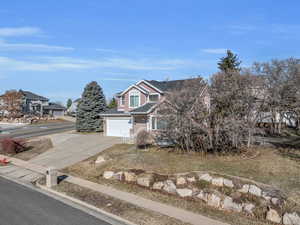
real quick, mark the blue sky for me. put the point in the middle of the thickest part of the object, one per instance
(54, 48)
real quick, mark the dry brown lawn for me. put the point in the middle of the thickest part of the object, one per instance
(270, 166)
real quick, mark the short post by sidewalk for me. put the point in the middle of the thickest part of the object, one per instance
(51, 177)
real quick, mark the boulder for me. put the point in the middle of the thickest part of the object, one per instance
(291, 219)
(255, 190)
(130, 177)
(249, 207)
(169, 187)
(158, 185)
(180, 181)
(229, 205)
(108, 174)
(214, 200)
(273, 216)
(184, 192)
(100, 159)
(228, 183)
(266, 196)
(205, 177)
(203, 196)
(218, 182)
(191, 179)
(245, 188)
(145, 180)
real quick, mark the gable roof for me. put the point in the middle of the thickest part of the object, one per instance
(167, 85)
(144, 109)
(137, 87)
(32, 96)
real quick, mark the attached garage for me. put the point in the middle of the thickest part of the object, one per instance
(118, 127)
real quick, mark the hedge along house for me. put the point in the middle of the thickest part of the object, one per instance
(136, 108)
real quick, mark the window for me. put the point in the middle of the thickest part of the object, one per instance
(123, 100)
(134, 99)
(153, 97)
(158, 123)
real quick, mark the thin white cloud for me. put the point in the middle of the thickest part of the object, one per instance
(67, 63)
(19, 31)
(104, 50)
(215, 50)
(5, 46)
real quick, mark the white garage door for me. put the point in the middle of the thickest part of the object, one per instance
(118, 127)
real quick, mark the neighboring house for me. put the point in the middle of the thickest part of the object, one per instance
(73, 108)
(136, 108)
(33, 104)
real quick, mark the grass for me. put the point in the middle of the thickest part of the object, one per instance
(271, 166)
(34, 148)
(117, 207)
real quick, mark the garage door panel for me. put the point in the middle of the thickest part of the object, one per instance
(118, 127)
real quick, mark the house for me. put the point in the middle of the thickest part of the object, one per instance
(33, 104)
(136, 108)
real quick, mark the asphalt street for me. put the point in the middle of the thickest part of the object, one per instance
(35, 130)
(21, 205)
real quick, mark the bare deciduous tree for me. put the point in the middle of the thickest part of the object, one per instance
(11, 103)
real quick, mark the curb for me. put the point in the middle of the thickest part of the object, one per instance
(105, 216)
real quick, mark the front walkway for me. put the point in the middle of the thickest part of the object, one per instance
(70, 148)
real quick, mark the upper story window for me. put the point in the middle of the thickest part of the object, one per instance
(153, 97)
(134, 99)
(122, 100)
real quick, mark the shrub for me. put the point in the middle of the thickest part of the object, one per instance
(13, 146)
(143, 139)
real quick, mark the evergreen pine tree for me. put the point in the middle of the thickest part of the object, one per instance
(112, 104)
(92, 103)
(229, 63)
(69, 103)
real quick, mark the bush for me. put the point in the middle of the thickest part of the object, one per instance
(143, 139)
(13, 146)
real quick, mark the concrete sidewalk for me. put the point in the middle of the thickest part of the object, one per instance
(180, 214)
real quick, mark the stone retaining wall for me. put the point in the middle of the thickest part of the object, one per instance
(225, 193)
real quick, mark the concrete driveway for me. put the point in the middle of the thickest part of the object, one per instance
(70, 148)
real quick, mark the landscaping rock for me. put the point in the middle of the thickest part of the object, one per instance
(145, 180)
(291, 219)
(158, 185)
(108, 174)
(266, 196)
(273, 215)
(218, 182)
(203, 196)
(214, 200)
(100, 159)
(244, 189)
(205, 177)
(229, 205)
(228, 183)
(255, 190)
(191, 179)
(169, 187)
(180, 181)
(130, 177)
(249, 207)
(184, 192)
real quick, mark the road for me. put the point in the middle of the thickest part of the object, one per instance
(36, 130)
(22, 205)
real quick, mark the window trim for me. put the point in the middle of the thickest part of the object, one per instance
(122, 100)
(134, 93)
(153, 94)
(151, 122)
